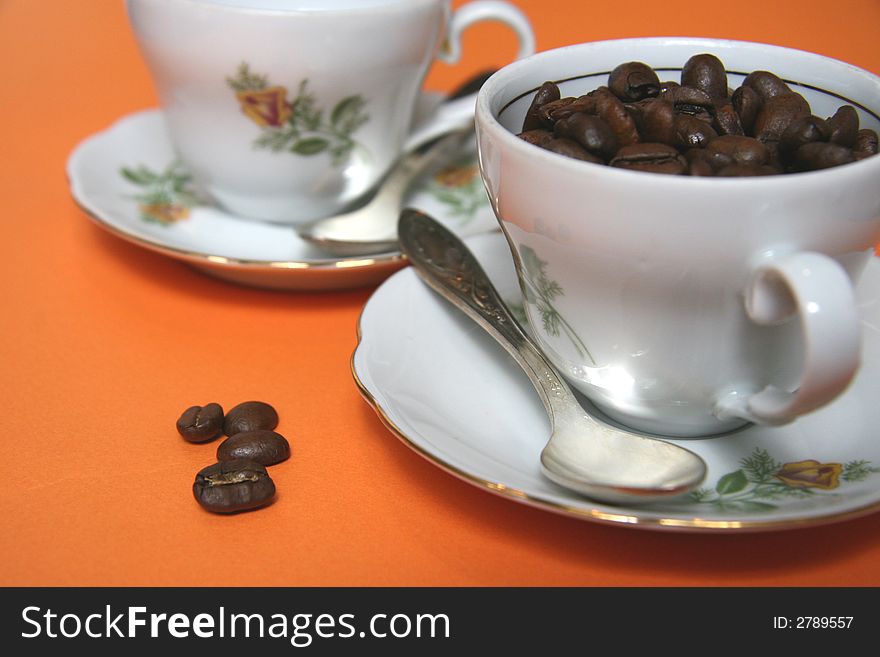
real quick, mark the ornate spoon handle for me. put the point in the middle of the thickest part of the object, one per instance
(583, 454)
(446, 265)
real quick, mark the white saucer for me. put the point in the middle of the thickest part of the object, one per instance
(452, 394)
(229, 247)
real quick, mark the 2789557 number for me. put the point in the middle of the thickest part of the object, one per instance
(813, 622)
(823, 622)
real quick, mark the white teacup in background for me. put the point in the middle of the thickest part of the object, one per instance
(289, 110)
(686, 306)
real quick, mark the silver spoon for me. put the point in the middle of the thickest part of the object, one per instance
(372, 228)
(583, 454)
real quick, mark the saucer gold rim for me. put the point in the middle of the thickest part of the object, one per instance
(695, 524)
(328, 264)
(312, 274)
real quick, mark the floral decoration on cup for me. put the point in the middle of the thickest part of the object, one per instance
(167, 196)
(541, 291)
(297, 125)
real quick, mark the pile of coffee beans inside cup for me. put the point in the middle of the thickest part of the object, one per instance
(239, 480)
(698, 127)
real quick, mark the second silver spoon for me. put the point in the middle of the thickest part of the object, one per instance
(583, 454)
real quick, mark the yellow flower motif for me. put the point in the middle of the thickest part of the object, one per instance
(810, 474)
(165, 213)
(456, 176)
(265, 107)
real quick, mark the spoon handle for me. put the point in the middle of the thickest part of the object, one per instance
(388, 199)
(582, 454)
(447, 265)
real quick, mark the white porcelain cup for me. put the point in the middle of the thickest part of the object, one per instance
(289, 110)
(679, 305)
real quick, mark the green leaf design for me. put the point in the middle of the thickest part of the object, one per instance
(732, 482)
(545, 290)
(245, 80)
(760, 466)
(310, 146)
(165, 197)
(533, 265)
(140, 176)
(446, 196)
(346, 111)
(858, 470)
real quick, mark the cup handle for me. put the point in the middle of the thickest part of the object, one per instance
(486, 10)
(818, 290)
(456, 114)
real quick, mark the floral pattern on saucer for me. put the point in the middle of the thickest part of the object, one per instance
(761, 482)
(166, 197)
(127, 179)
(460, 188)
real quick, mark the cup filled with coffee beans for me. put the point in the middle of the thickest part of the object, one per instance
(688, 219)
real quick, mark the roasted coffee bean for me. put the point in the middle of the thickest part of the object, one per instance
(609, 108)
(706, 73)
(727, 120)
(775, 157)
(565, 107)
(231, 486)
(199, 424)
(747, 104)
(736, 149)
(822, 155)
(537, 137)
(261, 446)
(655, 158)
(767, 85)
(742, 170)
(804, 130)
(634, 81)
(546, 110)
(777, 114)
(844, 126)
(591, 132)
(687, 100)
(699, 163)
(250, 416)
(657, 121)
(571, 148)
(546, 94)
(691, 132)
(866, 144)
(760, 128)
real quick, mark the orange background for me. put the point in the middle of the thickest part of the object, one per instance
(103, 344)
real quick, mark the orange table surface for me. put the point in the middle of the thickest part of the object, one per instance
(102, 345)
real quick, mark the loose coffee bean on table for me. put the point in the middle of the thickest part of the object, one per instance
(696, 127)
(250, 416)
(261, 446)
(200, 424)
(232, 486)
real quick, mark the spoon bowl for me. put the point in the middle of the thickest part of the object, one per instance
(583, 454)
(372, 228)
